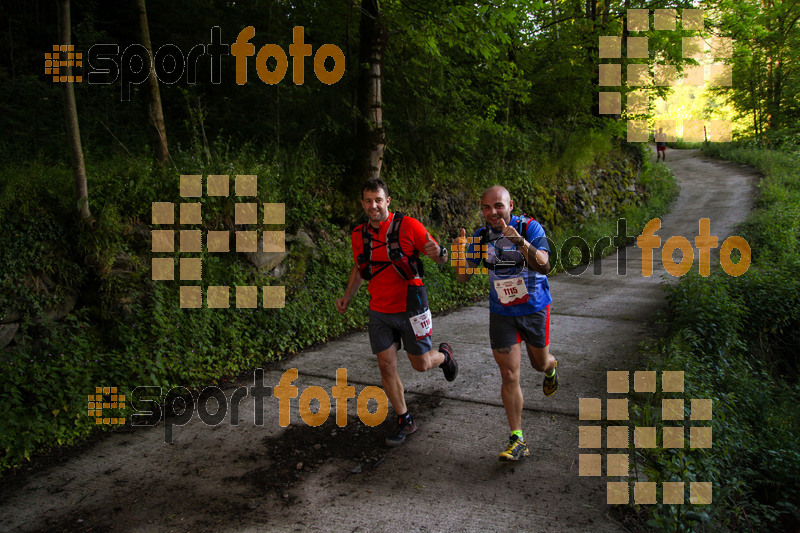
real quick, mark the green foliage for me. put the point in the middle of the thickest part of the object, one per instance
(754, 460)
(737, 340)
(765, 40)
(600, 232)
(37, 270)
(685, 145)
(45, 384)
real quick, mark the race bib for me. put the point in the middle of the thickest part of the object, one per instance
(422, 324)
(511, 291)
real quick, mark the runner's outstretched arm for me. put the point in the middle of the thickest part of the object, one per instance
(353, 285)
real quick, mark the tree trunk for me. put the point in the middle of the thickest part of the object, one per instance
(156, 114)
(71, 114)
(592, 53)
(554, 10)
(371, 135)
(591, 10)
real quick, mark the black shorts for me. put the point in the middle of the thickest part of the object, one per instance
(386, 329)
(507, 331)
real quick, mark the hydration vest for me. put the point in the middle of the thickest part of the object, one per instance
(484, 236)
(408, 267)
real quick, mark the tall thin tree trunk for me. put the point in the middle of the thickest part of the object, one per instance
(71, 114)
(278, 114)
(554, 10)
(624, 65)
(371, 135)
(156, 114)
(592, 52)
(591, 10)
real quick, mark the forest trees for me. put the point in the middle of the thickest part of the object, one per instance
(424, 81)
(766, 61)
(475, 32)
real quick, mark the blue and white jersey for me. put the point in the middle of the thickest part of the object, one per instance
(513, 280)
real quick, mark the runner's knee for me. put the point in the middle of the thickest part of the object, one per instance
(387, 364)
(386, 367)
(509, 375)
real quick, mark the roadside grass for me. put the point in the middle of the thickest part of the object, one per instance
(738, 341)
(680, 144)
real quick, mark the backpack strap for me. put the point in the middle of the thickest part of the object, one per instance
(524, 219)
(364, 259)
(393, 237)
(484, 235)
(484, 238)
(409, 267)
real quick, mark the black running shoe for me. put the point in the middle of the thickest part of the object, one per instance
(449, 367)
(399, 434)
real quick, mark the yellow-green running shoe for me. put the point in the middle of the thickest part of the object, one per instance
(516, 450)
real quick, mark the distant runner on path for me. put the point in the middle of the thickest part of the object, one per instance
(661, 145)
(386, 251)
(518, 259)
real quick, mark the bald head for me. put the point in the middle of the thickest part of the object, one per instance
(497, 190)
(496, 204)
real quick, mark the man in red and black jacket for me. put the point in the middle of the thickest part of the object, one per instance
(386, 251)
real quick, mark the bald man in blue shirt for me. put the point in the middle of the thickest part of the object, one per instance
(517, 257)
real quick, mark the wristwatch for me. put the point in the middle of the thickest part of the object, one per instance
(443, 251)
